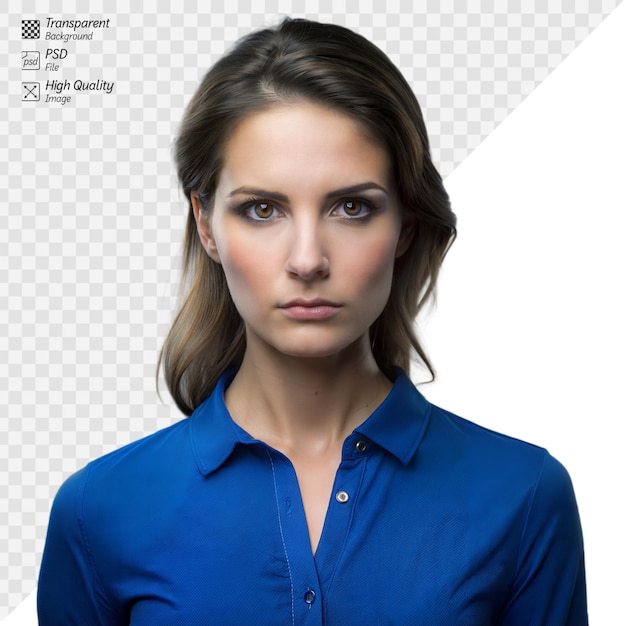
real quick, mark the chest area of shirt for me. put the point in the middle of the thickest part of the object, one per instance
(388, 548)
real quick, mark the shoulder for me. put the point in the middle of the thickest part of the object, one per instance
(452, 448)
(516, 489)
(485, 447)
(499, 471)
(161, 446)
(115, 480)
(148, 471)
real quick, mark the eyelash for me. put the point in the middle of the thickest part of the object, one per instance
(247, 206)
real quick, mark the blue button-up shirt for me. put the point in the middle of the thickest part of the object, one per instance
(432, 520)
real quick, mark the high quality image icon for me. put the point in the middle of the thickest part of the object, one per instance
(30, 92)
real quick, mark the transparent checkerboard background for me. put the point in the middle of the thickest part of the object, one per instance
(91, 218)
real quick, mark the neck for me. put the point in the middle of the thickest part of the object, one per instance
(297, 404)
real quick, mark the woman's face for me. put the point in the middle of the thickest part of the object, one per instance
(306, 227)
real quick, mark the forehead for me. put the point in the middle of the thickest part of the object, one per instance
(303, 143)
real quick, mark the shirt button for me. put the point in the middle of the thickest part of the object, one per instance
(309, 596)
(342, 497)
(361, 446)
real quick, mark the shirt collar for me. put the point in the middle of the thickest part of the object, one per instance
(214, 434)
(398, 425)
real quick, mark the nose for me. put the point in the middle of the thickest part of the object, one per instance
(308, 257)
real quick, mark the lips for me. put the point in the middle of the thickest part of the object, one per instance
(313, 310)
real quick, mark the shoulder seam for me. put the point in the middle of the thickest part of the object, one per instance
(531, 501)
(80, 517)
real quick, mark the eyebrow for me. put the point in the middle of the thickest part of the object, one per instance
(281, 197)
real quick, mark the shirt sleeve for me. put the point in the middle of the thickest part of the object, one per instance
(549, 586)
(68, 591)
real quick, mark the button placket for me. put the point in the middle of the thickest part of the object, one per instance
(337, 524)
(299, 561)
(360, 446)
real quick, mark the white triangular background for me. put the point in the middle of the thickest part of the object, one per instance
(528, 336)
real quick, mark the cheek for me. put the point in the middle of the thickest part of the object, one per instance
(248, 268)
(373, 265)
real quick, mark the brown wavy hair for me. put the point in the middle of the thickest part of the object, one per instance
(335, 67)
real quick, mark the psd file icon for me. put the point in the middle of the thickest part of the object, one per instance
(30, 60)
(30, 92)
(30, 29)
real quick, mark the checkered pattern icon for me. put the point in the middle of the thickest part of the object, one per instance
(30, 29)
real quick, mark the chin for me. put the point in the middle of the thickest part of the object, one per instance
(314, 353)
(310, 341)
(321, 348)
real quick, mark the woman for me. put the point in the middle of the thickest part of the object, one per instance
(311, 483)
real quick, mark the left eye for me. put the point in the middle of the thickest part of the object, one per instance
(353, 208)
(261, 211)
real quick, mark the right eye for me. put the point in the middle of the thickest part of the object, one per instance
(260, 211)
